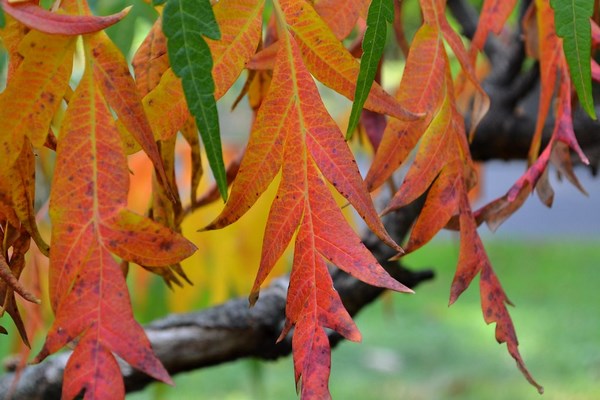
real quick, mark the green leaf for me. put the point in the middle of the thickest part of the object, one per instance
(380, 12)
(572, 20)
(185, 22)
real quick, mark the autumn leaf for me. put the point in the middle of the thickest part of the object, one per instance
(330, 62)
(150, 60)
(89, 222)
(381, 12)
(572, 20)
(492, 18)
(166, 107)
(35, 17)
(549, 52)
(421, 83)
(435, 15)
(340, 16)
(119, 89)
(307, 146)
(34, 92)
(473, 260)
(240, 23)
(185, 23)
(27, 107)
(10, 272)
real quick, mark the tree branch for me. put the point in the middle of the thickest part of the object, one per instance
(185, 342)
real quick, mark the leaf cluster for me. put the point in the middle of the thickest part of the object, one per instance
(193, 54)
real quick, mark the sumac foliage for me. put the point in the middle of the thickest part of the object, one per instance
(96, 112)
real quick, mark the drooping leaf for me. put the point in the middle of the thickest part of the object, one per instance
(240, 23)
(330, 62)
(549, 53)
(442, 203)
(89, 222)
(34, 92)
(419, 90)
(492, 18)
(381, 12)
(572, 21)
(119, 89)
(308, 147)
(185, 23)
(11, 270)
(436, 149)
(20, 178)
(166, 107)
(434, 13)
(35, 17)
(340, 16)
(473, 260)
(27, 106)
(150, 60)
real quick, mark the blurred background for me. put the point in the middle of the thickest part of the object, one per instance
(414, 347)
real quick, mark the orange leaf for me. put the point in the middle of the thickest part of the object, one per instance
(340, 16)
(434, 14)
(442, 203)
(87, 288)
(435, 150)
(11, 36)
(422, 81)
(20, 185)
(151, 60)
(550, 55)
(112, 73)
(330, 62)
(240, 23)
(42, 20)
(34, 93)
(305, 143)
(492, 18)
(166, 107)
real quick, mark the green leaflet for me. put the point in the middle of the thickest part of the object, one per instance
(185, 22)
(380, 12)
(2, 21)
(572, 20)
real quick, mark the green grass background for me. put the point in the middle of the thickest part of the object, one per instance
(415, 347)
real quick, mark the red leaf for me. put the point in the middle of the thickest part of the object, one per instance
(473, 260)
(492, 18)
(87, 287)
(42, 20)
(307, 145)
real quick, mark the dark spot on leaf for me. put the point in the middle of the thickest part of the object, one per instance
(166, 245)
